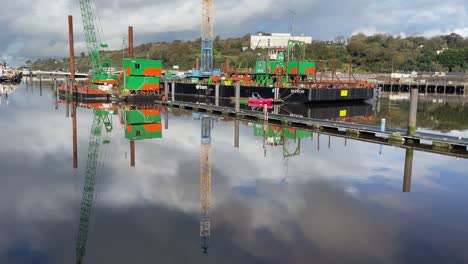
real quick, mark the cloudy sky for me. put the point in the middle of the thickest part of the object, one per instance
(38, 28)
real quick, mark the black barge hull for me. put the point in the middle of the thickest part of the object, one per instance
(289, 95)
(316, 111)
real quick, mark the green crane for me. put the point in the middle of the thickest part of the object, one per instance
(100, 76)
(100, 117)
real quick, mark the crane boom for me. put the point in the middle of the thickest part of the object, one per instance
(90, 35)
(99, 119)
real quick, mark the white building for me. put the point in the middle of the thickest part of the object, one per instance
(275, 40)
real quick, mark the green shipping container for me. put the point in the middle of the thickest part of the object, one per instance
(307, 68)
(140, 67)
(261, 67)
(141, 132)
(142, 83)
(299, 134)
(293, 67)
(142, 116)
(260, 132)
(273, 65)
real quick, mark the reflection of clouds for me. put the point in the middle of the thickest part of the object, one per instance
(324, 213)
(328, 223)
(168, 169)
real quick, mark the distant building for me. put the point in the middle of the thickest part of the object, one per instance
(441, 51)
(398, 75)
(275, 40)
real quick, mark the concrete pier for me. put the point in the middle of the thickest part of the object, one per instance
(421, 141)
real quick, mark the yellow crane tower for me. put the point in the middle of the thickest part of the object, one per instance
(205, 182)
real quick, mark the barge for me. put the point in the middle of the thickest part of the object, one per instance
(281, 77)
(288, 95)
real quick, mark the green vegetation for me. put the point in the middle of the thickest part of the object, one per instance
(377, 53)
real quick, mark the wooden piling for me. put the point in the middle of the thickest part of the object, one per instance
(408, 170)
(72, 49)
(238, 97)
(166, 89)
(130, 42)
(236, 133)
(166, 119)
(173, 92)
(217, 94)
(318, 142)
(132, 153)
(413, 112)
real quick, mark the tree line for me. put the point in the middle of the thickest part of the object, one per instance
(380, 53)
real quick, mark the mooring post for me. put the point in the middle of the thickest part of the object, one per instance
(413, 112)
(166, 89)
(166, 119)
(67, 106)
(66, 86)
(130, 42)
(173, 91)
(408, 170)
(383, 128)
(75, 137)
(318, 142)
(55, 94)
(236, 133)
(132, 153)
(40, 81)
(72, 50)
(238, 97)
(70, 90)
(217, 94)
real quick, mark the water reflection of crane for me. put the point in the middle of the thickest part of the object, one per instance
(280, 136)
(100, 118)
(205, 181)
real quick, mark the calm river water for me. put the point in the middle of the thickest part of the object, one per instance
(283, 196)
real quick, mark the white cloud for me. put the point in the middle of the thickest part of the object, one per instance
(39, 28)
